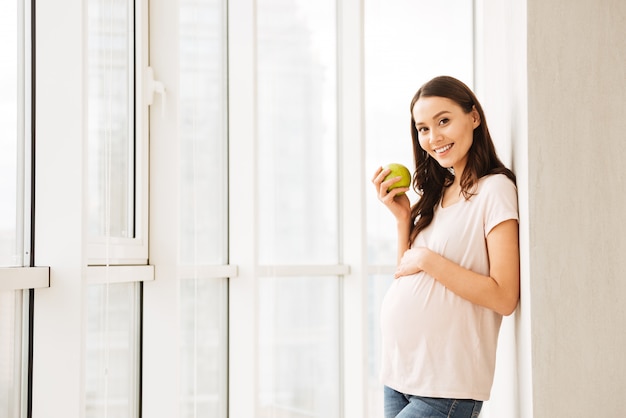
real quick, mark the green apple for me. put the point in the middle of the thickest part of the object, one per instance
(398, 170)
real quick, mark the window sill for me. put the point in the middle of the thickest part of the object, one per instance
(119, 274)
(19, 278)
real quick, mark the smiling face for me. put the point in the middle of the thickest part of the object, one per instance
(444, 130)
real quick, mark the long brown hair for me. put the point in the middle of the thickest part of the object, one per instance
(430, 179)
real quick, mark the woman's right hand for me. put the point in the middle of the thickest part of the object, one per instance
(396, 199)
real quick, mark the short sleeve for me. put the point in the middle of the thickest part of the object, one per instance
(499, 194)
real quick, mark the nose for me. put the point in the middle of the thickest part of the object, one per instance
(435, 136)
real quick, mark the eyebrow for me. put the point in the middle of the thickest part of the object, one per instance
(435, 116)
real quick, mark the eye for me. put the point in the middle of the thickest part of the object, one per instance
(444, 121)
(422, 129)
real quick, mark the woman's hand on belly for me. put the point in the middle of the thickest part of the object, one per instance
(412, 261)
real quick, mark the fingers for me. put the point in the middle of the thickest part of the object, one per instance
(395, 199)
(398, 273)
(375, 177)
(381, 184)
(379, 177)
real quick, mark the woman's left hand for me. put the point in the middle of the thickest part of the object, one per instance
(412, 261)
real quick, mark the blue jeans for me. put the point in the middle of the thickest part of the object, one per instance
(399, 405)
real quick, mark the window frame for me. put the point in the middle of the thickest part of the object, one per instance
(114, 261)
(23, 274)
(106, 251)
(22, 277)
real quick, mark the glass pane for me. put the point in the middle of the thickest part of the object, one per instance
(14, 71)
(112, 365)
(441, 41)
(297, 132)
(203, 130)
(12, 358)
(111, 118)
(299, 347)
(203, 207)
(393, 76)
(377, 287)
(204, 350)
(8, 132)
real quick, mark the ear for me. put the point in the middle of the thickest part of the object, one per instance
(475, 117)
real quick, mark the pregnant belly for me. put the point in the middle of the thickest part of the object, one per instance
(415, 307)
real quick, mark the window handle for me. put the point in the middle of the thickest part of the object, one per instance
(154, 87)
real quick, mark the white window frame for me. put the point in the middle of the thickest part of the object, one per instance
(114, 260)
(61, 210)
(352, 267)
(134, 251)
(22, 276)
(161, 307)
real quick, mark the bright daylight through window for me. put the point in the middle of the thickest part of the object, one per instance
(299, 315)
(113, 322)
(429, 39)
(14, 204)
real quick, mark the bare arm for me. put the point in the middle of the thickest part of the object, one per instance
(499, 291)
(403, 239)
(398, 203)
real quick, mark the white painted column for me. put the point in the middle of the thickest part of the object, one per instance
(500, 78)
(243, 290)
(59, 322)
(161, 314)
(353, 179)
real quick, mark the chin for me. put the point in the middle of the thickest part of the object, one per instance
(445, 164)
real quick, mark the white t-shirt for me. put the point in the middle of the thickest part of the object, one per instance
(435, 343)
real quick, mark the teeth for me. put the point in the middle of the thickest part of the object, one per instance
(443, 149)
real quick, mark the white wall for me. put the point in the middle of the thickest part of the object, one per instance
(551, 76)
(576, 154)
(501, 88)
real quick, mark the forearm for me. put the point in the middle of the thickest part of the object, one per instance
(404, 229)
(477, 288)
(498, 290)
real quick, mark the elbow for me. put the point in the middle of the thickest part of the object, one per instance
(507, 312)
(507, 299)
(508, 307)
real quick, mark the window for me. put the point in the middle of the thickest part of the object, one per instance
(11, 134)
(203, 208)
(297, 183)
(117, 142)
(15, 206)
(392, 76)
(261, 286)
(216, 276)
(13, 353)
(112, 347)
(116, 207)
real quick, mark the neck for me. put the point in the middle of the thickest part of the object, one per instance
(458, 173)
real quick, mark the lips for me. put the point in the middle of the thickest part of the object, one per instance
(443, 149)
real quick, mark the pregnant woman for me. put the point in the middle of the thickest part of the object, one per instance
(458, 260)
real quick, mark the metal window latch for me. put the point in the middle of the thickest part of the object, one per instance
(154, 87)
